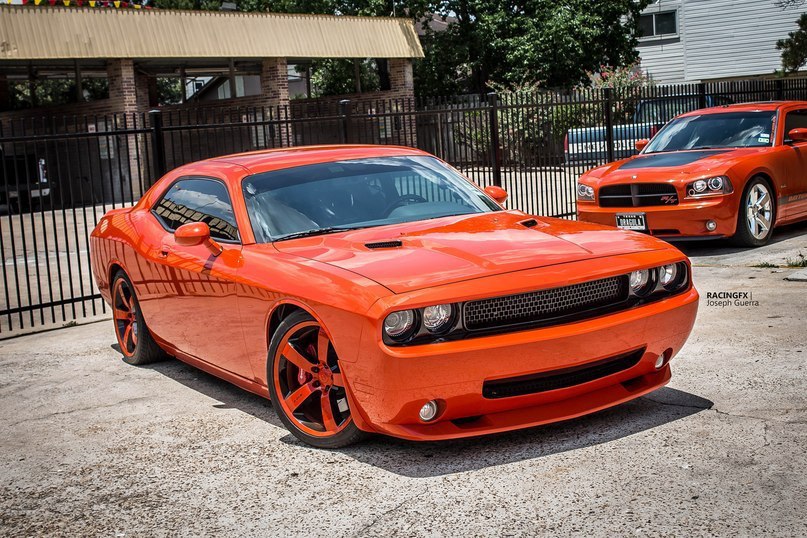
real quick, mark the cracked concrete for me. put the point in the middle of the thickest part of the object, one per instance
(93, 447)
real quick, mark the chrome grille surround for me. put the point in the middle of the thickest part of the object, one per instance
(550, 305)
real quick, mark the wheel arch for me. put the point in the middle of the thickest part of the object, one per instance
(114, 267)
(284, 309)
(766, 176)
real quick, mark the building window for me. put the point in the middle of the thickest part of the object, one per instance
(658, 24)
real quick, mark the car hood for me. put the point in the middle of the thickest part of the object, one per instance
(452, 249)
(674, 164)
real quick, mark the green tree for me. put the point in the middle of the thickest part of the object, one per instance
(794, 48)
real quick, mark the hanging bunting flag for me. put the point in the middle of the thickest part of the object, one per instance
(117, 3)
(66, 3)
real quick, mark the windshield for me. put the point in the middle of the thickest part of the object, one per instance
(707, 131)
(346, 195)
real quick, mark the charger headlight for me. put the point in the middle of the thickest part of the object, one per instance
(710, 185)
(585, 192)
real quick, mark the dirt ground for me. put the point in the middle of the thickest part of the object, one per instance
(93, 447)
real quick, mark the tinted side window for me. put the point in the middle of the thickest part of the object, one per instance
(794, 120)
(199, 200)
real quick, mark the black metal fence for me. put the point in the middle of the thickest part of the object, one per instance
(59, 175)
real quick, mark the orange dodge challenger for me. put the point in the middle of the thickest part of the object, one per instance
(375, 289)
(732, 171)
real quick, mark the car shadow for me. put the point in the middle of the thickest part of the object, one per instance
(228, 395)
(720, 247)
(419, 459)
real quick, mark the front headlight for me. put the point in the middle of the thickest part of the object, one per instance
(437, 318)
(658, 281)
(642, 281)
(399, 325)
(709, 186)
(585, 192)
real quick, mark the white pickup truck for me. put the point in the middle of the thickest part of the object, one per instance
(588, 145)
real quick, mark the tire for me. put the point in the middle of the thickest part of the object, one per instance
(136, 343)
(756, 216)
(306, 386)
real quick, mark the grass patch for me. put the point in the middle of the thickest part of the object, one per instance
(799, 261)
(765, 265)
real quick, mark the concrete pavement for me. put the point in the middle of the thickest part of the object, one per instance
(93, 447)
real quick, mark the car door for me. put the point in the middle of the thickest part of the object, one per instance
(794, 201)
(194, 291)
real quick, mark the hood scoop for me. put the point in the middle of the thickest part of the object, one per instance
(384, 244)
(531, 223)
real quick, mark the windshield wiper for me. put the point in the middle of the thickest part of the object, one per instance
(317, 231)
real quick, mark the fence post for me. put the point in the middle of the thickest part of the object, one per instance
(609, 124)
(493, 103)
(157, 144)
(780, 89)
(701, 95)
(345, 112)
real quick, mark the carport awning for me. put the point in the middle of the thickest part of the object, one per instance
(28, 33)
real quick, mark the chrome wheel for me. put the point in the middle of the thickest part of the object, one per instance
(759, 211)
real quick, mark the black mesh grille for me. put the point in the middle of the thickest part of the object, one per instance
(560, 379)
(545, 305)
(638, 195)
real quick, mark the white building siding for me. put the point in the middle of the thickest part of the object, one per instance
(718, 39)
(734, 38)
(664, 60)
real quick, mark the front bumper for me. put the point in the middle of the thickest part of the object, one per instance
(389, 385)
(687, 219)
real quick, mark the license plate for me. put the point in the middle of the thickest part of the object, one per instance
(631, 221)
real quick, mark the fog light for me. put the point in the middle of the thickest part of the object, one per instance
(428, 411)
(711, 225)
(662, 359)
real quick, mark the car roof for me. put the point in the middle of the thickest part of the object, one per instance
(756, 106)
(256, 162)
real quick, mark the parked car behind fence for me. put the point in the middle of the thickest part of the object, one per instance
(589, 145)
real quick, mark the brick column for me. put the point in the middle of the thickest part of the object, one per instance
(402, 91)
(275, 90)
(402, 83)
(129, 97)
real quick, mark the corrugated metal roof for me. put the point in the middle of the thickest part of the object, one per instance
(29, 33)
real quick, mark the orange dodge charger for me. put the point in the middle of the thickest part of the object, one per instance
(732, 171)
(375, 289)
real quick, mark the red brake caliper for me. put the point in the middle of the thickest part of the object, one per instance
(304, 377)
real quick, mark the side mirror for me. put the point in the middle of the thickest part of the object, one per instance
(798, 134)
(192, 234)
(641, 144)
(497, 193)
